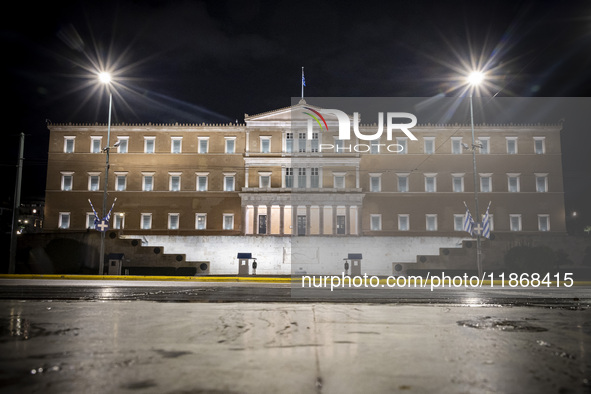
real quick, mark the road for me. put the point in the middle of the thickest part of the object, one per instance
(175, 337)
(182, 291)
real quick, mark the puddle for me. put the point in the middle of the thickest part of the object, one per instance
(17, 327)
(171, 353)
(490, 323)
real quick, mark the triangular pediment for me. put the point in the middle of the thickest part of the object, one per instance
(284, 116)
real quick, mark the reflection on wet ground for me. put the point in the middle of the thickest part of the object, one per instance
(154, 347)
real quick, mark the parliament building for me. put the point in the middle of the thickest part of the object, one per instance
(268, 182)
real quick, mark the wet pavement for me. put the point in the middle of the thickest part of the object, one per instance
(518, 341)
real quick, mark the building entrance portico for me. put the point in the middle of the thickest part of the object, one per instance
(301, 214)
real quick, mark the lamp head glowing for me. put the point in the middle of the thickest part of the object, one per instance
(105, 77)
(475, 78)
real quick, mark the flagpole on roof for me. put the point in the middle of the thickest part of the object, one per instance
(303, 83)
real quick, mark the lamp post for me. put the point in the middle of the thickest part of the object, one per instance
(474, 79)
(105, 78)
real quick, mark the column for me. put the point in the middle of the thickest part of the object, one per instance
(321, 220)
(308, 219)
(347, 219)
(255, 219)
(334, 220)
(359, 218)
(268, 219)
(294, 220)
(281, 219)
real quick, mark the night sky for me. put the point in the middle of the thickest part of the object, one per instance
(213, 61)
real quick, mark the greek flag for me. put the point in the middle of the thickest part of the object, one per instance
(468, 222)
(108, 217)
(97, 220)
(486, 224)
(96, 216)
(303, 79)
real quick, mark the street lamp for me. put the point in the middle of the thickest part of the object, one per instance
(474, 79)
(105, 77)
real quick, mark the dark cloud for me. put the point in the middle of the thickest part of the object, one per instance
(193, 61)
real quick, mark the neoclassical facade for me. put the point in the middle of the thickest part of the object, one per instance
(271, 176)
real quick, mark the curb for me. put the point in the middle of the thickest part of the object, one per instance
(412, 282)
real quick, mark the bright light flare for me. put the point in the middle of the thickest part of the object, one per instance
(105, 77)
(475, 78)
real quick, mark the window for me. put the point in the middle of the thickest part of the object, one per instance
(314, 143)
(230, 145)
(375, 182)
(429, 145)
(515, 222)
(484, 145)
(511, 145)
(67, 181)
(314, 178)
(456, 145)
(203, 144)
(374, 147)
(513, 183)
(200, 221)
(540, 145)
(430, 183)
(544, 222)
(402, 182)
(149, 144)
(120, 181)
(64, 220)
(403, 222)
(458, 222)
(289, 177)
(264, 180)
(90, 220)
(289, 142)
(431, 222)
(94, 179)
(403, 142)
(123, 144)
(119, 221)
(95, 144)
(541, 183)
(229, 182)
(486, 183)
(146, 221)
(228, 221)
(69, 144)
(302, 142)
(174, 183)
(173, 221)
(265, 144)
(339, 146)
(147, 181)
(201, 181)
(457, 183)
(176, 144)
(301, 178)
(376, 222)
(339, 180)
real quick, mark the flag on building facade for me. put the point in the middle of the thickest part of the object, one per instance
(468, 222)
(486, 224)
